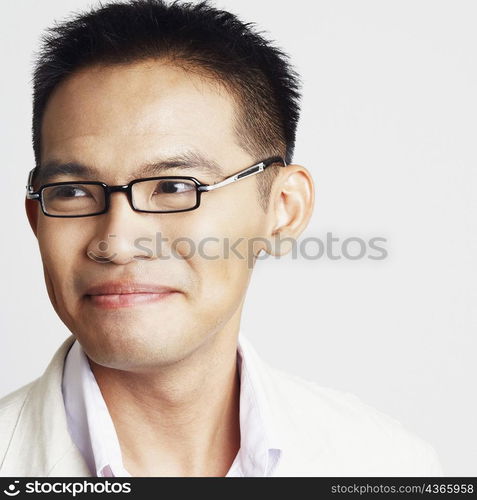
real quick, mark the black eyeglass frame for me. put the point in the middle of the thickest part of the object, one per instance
(127, 188)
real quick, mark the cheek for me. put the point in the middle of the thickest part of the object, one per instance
(59, 240)
(61, 245)
(219, 250)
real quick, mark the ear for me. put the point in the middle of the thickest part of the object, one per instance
(31, 208)
(291, 206)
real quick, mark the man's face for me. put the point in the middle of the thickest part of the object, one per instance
(116, 119)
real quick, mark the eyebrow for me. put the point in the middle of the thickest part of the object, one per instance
(187, 160)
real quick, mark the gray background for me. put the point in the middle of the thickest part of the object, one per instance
(388, 131)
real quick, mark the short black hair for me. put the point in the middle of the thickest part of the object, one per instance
(197, 37)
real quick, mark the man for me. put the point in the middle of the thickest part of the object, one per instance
(163, 137)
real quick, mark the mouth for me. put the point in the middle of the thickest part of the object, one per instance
(113, 295)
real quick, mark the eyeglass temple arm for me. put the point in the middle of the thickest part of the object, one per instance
(248, 172)
(30, 194)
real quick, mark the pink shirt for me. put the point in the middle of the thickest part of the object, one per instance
(92, 429)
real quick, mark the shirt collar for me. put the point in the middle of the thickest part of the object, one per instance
(89, 422)
(92, 428)
(260, 445)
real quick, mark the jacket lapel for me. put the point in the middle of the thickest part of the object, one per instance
(41, 445)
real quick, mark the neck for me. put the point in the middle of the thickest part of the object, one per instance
(179, 420)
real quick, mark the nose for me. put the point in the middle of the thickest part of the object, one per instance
(121, 234)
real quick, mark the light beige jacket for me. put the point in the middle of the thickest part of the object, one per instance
(323, 432)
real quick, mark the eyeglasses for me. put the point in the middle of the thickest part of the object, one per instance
(151, 195)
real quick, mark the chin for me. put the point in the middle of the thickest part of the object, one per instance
(136, 349)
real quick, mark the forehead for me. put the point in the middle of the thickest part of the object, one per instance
(114, 115)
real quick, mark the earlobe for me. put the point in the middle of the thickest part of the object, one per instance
(31, 208)
(281, 244)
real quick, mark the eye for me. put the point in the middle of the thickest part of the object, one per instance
(173, 186)
(68, 191)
